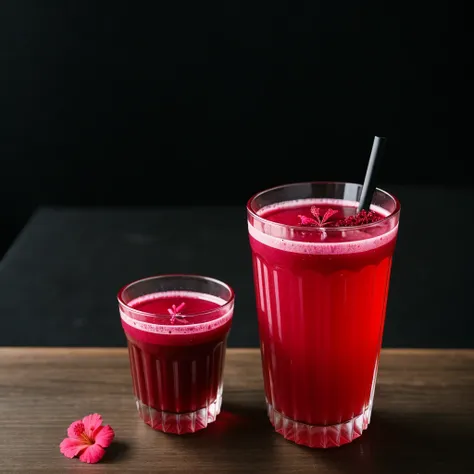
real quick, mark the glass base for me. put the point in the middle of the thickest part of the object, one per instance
(180, 423)
(319, 436)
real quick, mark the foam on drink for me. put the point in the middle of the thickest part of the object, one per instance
(353, 240)
(184, 327)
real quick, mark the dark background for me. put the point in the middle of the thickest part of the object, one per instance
(191, 103)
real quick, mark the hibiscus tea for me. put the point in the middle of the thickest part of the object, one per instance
(176, 328)
(321, 274)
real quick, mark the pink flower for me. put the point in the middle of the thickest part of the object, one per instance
(87, 439)
(175, 311)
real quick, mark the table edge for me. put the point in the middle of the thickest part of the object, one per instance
(27, 350)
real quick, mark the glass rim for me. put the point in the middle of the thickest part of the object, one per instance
(139, 312)
(320, 228)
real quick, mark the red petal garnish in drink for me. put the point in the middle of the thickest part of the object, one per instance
(327, 215)
(175, 311)
(318, 221)
(306, 220)
(361, 218)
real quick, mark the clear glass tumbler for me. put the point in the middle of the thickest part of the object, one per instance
(321, 294)
(177, 328)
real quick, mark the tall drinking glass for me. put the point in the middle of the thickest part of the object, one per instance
(176, 328)
(321, 294)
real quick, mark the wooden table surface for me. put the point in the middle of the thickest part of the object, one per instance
(423, 420)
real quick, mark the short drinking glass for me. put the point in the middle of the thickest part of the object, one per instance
(177, 327)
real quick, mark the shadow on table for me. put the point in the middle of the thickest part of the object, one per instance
(241, 439)
(118, 450)
(416, 443)
(235, 424)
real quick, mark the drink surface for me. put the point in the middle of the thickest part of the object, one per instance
(177, 363)
(199, 320)
(321, 301)
(160, 303)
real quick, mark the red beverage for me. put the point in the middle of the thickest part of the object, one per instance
(177, 342)
(321, 296)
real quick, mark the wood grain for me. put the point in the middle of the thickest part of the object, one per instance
(422, 423)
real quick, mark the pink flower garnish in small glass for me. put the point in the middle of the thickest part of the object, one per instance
(87, 438)
(175, 311)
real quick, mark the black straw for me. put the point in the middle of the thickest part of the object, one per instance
(371, 174)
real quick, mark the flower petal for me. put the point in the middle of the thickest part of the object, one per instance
(315, 211)
(71, 447)
(93, 453)
(75, 429)
(104, 436)
(306, 220)
(91, 423)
